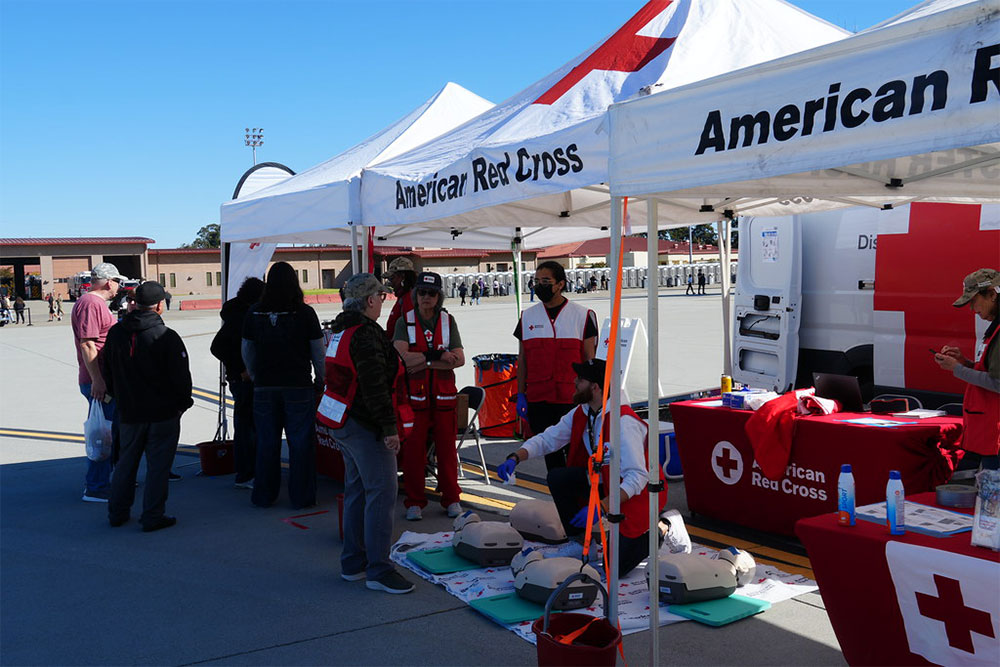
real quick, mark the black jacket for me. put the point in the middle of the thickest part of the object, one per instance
(226, 344)
(145, 367)
(376, 361)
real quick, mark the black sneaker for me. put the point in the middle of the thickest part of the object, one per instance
(393, 582)
(174, 477)
(163, 522)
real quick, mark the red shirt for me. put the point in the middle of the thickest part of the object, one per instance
(91, 319)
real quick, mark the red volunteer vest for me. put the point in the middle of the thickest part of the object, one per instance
(403, 304)
(981, 413)
(431, 387)
(636, 508)
(550, 350)
(342, 385)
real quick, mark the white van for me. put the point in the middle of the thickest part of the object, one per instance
(860, 291)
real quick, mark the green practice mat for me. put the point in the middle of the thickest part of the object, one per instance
(508, 608)
(721, 611)
(441, 561)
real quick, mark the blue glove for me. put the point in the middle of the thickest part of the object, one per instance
(506, 469)
(522, 406)
(580, 520)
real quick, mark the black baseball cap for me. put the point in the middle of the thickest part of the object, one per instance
(150, 293)
(592, 370)
(430, 280)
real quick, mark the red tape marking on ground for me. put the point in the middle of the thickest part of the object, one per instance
(298, 525)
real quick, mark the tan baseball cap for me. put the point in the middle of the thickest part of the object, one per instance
(976, 282)
(362, 286)
(399, 264)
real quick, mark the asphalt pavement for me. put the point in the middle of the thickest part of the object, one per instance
(235, 584)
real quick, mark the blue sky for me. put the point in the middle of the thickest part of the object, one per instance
(127, 117)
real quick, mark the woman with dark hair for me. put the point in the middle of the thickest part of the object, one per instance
(427, 338)
(281, 340)
(226, 348)
(981, 404)
(553, 335)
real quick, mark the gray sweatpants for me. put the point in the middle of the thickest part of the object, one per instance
(370, 489)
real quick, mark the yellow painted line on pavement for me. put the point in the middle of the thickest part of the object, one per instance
(534, 486)
(210, 395)
(45, 435)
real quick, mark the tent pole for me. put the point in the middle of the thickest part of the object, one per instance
(515, 246)
(724, 259)
(365, 260)
(614, 407)
(354, 250)
(653, 441)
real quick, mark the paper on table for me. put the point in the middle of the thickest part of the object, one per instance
(920, 413)
(874, 421)
(922, 518)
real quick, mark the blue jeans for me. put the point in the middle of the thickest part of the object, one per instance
(244, 440)
(370, 489)
(294, 410)
(98, 478)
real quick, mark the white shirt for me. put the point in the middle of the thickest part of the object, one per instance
(634, 474)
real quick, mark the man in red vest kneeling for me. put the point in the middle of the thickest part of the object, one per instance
(570, 487)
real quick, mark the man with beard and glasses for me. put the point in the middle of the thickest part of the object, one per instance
(578, 433)
(553, 335)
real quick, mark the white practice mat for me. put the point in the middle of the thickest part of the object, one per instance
(771, 584)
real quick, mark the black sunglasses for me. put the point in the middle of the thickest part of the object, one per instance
(426, 292)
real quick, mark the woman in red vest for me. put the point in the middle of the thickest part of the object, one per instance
(577, 432)
(428, 340)
(981, 405)
(401, 276)
(553, 335)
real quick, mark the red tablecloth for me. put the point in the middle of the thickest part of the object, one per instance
(723, 481)
(906, 600)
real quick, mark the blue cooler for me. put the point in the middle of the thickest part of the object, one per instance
(668, 452)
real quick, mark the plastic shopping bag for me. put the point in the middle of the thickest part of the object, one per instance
(97, 432)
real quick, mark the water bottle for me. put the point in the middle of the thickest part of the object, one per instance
(895, 499)
(845, 496)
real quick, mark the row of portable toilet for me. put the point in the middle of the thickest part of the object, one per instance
(580, 279)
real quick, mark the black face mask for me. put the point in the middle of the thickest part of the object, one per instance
(544, 291)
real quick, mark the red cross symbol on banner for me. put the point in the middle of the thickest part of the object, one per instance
(625, 51)
(924, 294)
(726, 462)
(949, 608)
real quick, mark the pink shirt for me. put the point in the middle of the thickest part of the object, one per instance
(91, 319)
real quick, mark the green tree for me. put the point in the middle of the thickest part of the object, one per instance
(208, 237)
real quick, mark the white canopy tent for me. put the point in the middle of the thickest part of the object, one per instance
(317, 205)
(900, 128)
(538, 161)
(856, 122)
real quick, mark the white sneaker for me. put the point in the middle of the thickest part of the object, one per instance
(454, 510)
(414, 513)
(676, 540)
(244, 485)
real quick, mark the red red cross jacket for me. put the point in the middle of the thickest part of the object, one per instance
(550, 350)
(429, 387)
(636, 508)
(981, 413)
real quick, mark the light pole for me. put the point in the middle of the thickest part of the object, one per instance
(254, 137)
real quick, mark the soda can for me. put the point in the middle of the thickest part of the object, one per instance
(727, 384)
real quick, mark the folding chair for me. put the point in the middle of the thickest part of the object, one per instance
(913, 399)
(476, 397)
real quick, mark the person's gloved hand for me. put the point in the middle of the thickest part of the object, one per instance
(522, 406)
(506, 469)
(580, 520)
